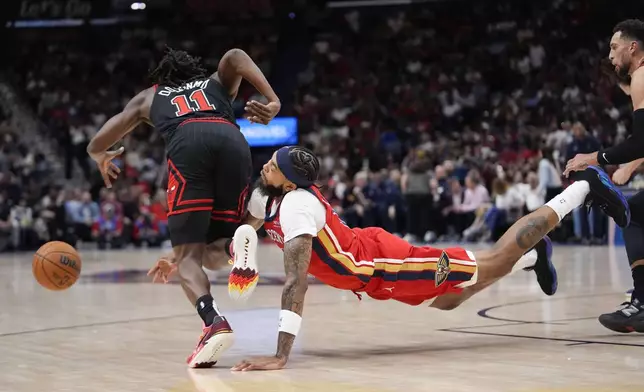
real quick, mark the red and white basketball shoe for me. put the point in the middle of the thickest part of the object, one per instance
(245, 273)
(214, 341)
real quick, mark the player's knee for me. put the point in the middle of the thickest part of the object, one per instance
(633, 243)
(189, 254)
(215, 261)
(215, 257)
(493, 264)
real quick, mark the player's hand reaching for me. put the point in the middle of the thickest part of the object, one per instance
(164, 268)
(580, 162)
(260, 363)
(622, 175)
(108, 169)
(262, 113)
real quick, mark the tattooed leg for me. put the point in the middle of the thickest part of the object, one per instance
(498, 261)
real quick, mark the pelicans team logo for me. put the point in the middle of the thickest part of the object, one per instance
(442, 269)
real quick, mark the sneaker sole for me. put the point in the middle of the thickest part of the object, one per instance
(615, 328)
(603, 177)
(551, 268)
(245, 273)
(212, 350)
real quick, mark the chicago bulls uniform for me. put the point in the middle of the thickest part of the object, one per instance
(363, 260)
(209, 160)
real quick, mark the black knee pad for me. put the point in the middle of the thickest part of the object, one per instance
(634, 242)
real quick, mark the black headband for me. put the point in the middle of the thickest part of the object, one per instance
(286, 166)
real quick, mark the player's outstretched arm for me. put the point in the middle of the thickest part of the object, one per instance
(624, 173)
(628, 150)
(236, 65)
(297, 257)
(134, 113)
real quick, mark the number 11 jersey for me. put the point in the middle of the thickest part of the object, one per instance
(199, 98)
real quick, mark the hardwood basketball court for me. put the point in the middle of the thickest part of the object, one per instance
(115, 331)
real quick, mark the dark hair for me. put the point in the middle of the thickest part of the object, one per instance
(547, 152)
(177, 67)
(631, 28)
(305, 163)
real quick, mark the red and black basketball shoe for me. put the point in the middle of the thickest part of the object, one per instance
(214, 341)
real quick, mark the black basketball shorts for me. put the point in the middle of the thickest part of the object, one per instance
(209, 172)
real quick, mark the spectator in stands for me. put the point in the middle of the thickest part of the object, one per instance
(536, 195)
(84, 213)
(355, 205)
(160, 213)
(474, 197)
(589, 227)
(441, 200)
(381, 195)
(415, 187)
(108, 230)
(549, 173)
(75, 147)
(507, 208)
(146, 227)
(5, 222)
(22, 221)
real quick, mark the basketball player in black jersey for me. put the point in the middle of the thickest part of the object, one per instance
(209, 166)
(627, 58)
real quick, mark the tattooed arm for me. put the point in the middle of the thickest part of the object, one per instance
(297, 257)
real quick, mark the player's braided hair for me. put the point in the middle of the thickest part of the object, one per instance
(176, 68)
(305, 163)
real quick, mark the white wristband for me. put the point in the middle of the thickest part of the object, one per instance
(290, 322)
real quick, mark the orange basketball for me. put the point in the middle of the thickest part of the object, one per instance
(56, 265)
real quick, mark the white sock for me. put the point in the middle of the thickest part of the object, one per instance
(527, 260)
(571, 198)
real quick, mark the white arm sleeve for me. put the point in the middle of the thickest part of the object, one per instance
(301, 213)
(257, 205)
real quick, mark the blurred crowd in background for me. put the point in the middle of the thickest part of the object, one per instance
(433, 123)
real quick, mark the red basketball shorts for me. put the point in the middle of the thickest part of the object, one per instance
(414, 274)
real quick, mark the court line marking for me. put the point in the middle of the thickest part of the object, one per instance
(579, 341)
(484, 312)
(145, 319)
(105, 323)
(509, 322)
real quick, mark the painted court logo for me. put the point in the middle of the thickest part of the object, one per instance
(442, 269)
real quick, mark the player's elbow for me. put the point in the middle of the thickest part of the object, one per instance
(446, 303)
(235, 58)
(448, 306)
(92, 148)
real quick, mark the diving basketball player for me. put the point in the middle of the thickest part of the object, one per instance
(315, 241)
(627, 57)
(209, 165)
